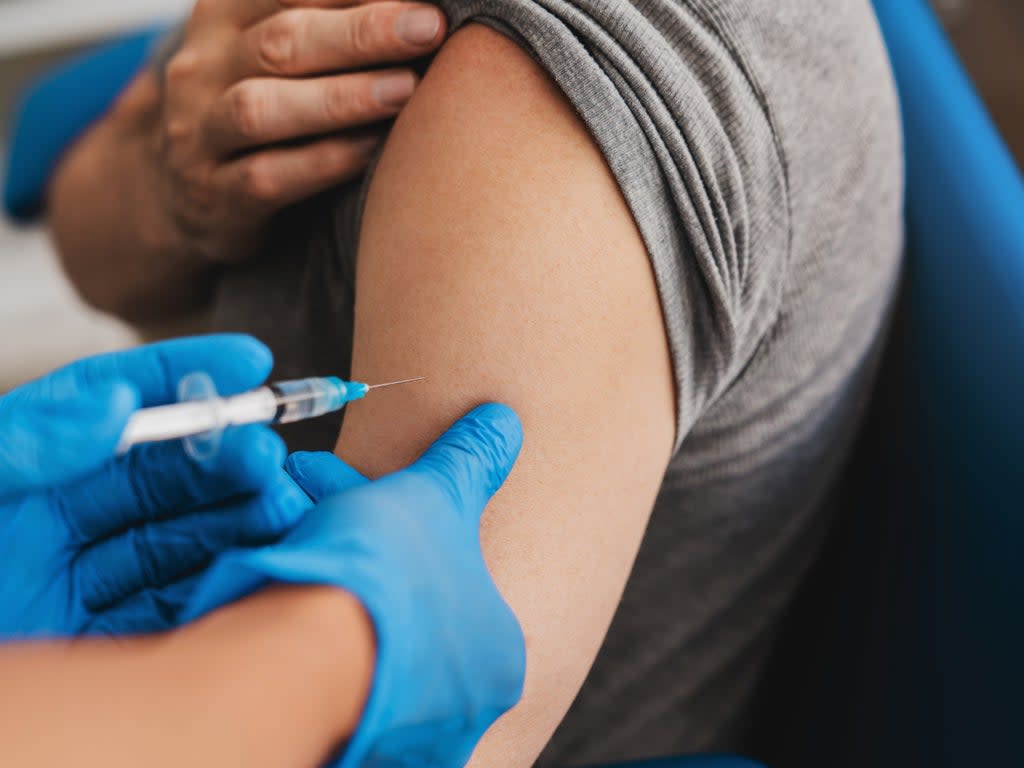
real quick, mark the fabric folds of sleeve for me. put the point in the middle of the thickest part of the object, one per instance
(691, 143)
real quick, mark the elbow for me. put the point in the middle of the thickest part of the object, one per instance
(125, 274)
(123, 307)
(127, 293)
(92, 287)
(95, 280)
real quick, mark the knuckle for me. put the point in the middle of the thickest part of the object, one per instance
(67, 516)
(182, 66)
(277, 42)
(177, 133)
(146, 557)
(203, 10)
(342, 101)
(258, 183)
(339, 161)
(196, 190)
(366, 33)
(187, 195)
(247, 110)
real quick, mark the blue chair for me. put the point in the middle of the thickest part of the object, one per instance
(58, 107)
(906, 648)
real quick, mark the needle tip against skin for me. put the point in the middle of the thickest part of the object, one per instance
(396, 383)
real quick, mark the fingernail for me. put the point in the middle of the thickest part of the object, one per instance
(418, 26)
(394, 90)
(366, 146)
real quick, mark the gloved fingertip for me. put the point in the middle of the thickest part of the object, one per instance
(293, 503)
(476, 455)
(296, 463)
(56, 441)
(497, 432)
(123, 398)
(112, 396)
(253, 454)
(103, 411)
(322, 474)
(280, 506)
(505, 424)
(271, 446)
(236, 362)
(251, 353)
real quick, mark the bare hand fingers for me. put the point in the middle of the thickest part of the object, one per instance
(311, 41)
(242, 13)
(269, 110)
(267, 181)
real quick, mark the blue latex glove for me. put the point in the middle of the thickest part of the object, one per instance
(89, 543)
(450, 654)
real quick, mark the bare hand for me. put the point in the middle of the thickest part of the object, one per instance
(268, 102)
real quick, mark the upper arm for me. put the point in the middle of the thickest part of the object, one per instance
(499, 259)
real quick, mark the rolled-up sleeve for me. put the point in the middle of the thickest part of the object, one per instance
(683, 125)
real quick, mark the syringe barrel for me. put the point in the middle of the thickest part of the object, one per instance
(167, 422)
(279, 403)
(308, 398)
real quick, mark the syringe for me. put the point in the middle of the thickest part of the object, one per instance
(280, 403)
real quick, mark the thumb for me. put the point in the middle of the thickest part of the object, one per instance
(47, 441)
(322, 474)
(472, 459)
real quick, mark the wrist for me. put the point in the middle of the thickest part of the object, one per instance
(293, 665)
(117, 240)
(136, 153)
(156, 228)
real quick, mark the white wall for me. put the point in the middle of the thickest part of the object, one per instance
(31, 25)
(42, 323)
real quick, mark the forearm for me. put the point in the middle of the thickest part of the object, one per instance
(278, 680)
(116, 243)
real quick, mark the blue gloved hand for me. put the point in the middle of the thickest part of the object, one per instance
(450, 654)
(90, 543)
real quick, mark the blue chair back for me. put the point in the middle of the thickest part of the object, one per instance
(907, 648)
(56, 108)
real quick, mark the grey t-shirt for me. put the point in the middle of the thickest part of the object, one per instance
(757, 143)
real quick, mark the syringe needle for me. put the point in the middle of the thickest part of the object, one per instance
(396, 383)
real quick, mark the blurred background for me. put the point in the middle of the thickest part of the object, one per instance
(44, 323)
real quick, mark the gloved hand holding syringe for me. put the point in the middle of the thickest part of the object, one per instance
(202, 415)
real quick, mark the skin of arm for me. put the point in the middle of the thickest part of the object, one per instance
(499, 259)
(277, 680)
